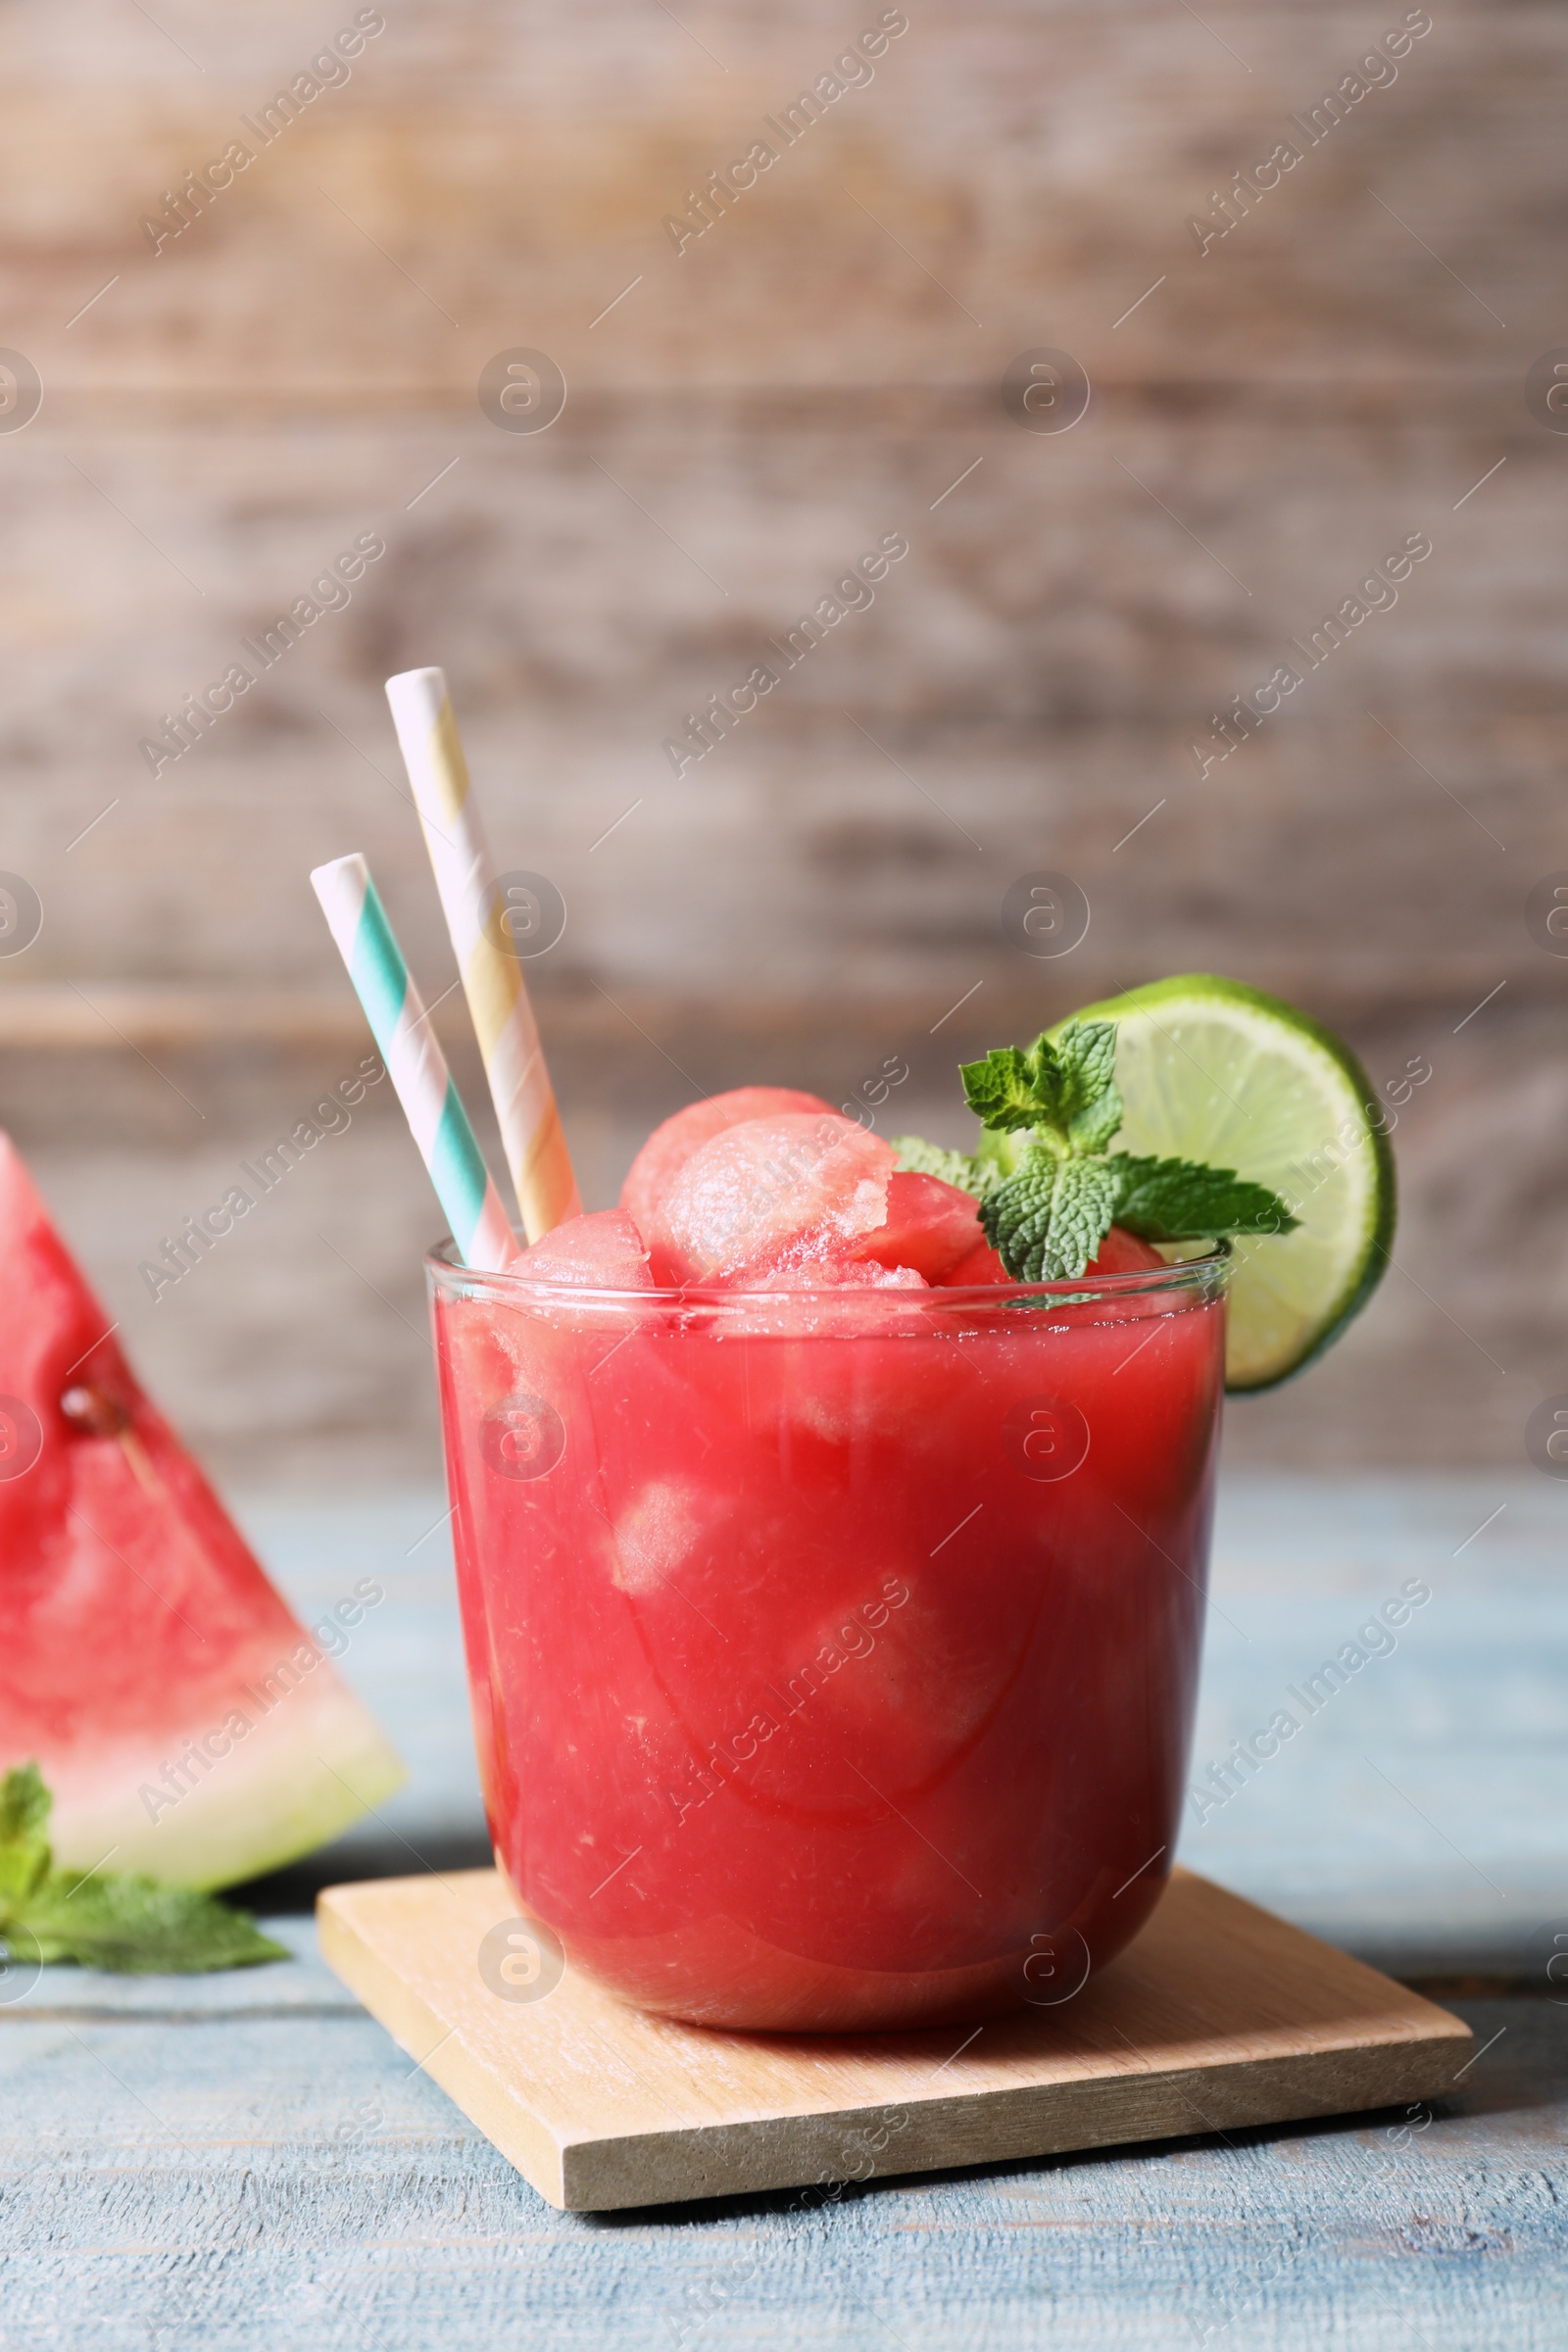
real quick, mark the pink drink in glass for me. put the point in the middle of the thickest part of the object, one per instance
(833, 1654)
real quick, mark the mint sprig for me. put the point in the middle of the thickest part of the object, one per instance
(1066, 1090)
(1048, 1201)
(103, 1919)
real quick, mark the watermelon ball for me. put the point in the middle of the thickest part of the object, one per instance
(1122, 1253)
(599, 1251)
(671, 1146)
(770, 1195)
(930, 1226)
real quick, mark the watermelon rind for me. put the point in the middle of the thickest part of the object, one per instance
(309, 1766)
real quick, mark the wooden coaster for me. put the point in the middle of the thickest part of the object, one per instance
(1217, 2016)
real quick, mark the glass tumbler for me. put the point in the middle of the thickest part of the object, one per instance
(833, 1654)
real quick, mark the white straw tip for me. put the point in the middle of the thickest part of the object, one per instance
(418, 692)
(323, 877)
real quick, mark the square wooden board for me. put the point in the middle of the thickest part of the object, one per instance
(1217, 2016)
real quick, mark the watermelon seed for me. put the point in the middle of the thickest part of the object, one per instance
(103, 1416)
(91, 1410)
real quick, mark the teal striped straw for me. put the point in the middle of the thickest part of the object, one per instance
(417, 1069)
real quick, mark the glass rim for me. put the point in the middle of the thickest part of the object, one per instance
(1214, 1261)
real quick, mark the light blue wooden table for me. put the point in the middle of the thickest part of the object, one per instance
(249, 2162)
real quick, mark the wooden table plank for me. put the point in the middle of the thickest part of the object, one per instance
(247, 2163)
(259, 2184)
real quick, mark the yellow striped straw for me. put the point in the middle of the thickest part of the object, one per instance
(492, 976)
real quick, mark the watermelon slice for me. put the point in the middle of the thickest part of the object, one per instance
(186, 1723)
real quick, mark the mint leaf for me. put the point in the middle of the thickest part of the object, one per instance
(1050, 1218)
(920, 1158)
(1009, 1089)
(1065, 1091)
(1086, 1057)
(1092, 1128)
(138, 1927)
(108, 1919)
(23, 1848)
(25, 1804)
(1180, 1199)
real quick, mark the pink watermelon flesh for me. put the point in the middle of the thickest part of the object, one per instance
(601, 1250)
(1122, 1253)
(186, 1723)
(930, 1226)
(771, 1195)
(672, 1145)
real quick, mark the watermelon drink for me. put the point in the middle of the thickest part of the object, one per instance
(832, 1603)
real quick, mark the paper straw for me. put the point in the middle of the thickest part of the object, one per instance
(503, 1017)
(418, 1068)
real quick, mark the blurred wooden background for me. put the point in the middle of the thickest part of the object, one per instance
(1269, 419)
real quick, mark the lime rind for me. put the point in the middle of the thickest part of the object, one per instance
(1212, 1070)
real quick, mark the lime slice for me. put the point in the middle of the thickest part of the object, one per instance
(1211, 1069)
